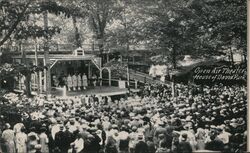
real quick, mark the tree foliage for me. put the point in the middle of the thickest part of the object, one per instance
(16, 19)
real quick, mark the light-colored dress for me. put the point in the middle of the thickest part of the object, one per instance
(21, 142)
(74, 80)
(79, 80)
(200, 138)
(69, 81)
(84, 81)
(44, 140)
(8, 138)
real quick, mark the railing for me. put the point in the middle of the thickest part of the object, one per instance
(133, 84)
(28, 47)
(71, 47)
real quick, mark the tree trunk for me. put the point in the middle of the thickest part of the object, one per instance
(27, 84)
(101, 49)
(174, 56)
(77, 35)
(46, 55)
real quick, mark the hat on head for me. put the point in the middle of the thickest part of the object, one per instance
(7, 125)
(161, 136)
(38, 146)
(161, 123)
(93, 129)
(114, 126)
(134, 128)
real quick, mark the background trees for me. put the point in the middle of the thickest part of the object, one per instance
(177, 27)
(189, 26)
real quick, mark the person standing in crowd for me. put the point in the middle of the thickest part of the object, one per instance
(69, 138)
(111, 146)
(184, 146)
(21, 141)
(151, 145)
(160, 132)
(32, 140)
(132, 139)
(141, 146)
(201, 138)
(44, 140)
(215, 144)
(8, 139)
(95, 141)
(60, 141)
(78, 144)
(123, 140)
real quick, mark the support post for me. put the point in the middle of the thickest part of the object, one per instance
(101, 77)
(44, 77)
(109, 77)
(107, 57)
(40, 81)
(89, 70)
(37, 73)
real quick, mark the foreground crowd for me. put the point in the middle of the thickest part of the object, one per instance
(204, 118)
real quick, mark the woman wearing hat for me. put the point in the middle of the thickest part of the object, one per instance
(44, 140)
(21, 141)
(200, 138)
(32, 140)
(8, 138)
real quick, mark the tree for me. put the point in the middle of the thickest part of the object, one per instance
(75, 11)
(194, 27)
(100, 13)
(228, 24)
(22, 27)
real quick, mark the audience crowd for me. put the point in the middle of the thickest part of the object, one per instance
(198, 118)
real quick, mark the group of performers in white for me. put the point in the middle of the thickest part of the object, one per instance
(77, 82)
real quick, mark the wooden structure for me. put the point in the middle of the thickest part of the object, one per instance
(58, 62)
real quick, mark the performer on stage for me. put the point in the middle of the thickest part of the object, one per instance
(84, 81)
(94, 79)
(79, 81)
(69, 82)
(74, 81)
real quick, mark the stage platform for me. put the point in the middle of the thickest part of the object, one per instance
(103, 91)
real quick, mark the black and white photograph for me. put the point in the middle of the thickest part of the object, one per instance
(123, 76)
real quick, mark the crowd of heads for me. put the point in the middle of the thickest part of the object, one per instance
(151, 121)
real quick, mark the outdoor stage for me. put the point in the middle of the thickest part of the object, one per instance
(103, 91)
